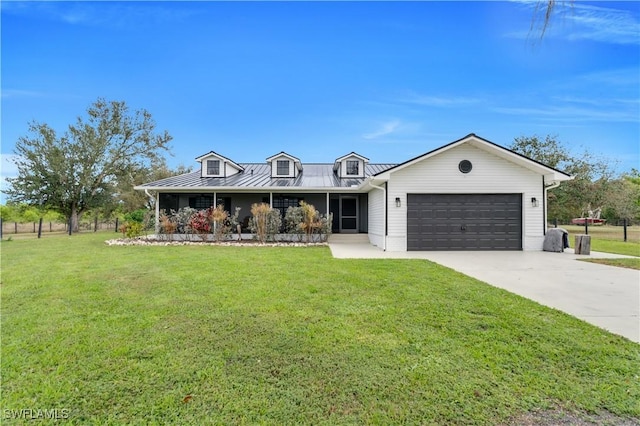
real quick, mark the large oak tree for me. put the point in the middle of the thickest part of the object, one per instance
(80, 169)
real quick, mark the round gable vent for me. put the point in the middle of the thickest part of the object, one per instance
(465, 166)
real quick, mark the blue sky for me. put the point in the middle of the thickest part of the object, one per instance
(389, 80)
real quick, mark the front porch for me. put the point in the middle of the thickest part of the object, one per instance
(349, 210)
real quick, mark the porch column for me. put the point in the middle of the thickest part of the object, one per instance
(215, 199)
(327, 211)
(271, 199)
(157, 224)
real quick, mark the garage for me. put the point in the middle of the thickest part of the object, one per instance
(464, 222)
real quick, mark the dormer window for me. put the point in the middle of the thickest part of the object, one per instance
(282, 168)
(352, 167)
(284, 165)
(213, 167)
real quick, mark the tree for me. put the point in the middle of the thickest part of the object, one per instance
(80, 169)
(548, 150)
(129, 199)
(591, 182)
(623, 198)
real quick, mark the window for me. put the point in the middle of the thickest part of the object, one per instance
(201, 202)
(283, 168)
(282, 203)
(352, 167)
(465, 166)
(213, 167)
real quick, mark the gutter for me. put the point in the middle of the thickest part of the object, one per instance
(384, 214)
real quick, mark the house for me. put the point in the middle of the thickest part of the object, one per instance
(470, 194)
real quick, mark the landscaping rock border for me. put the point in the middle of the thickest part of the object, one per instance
(148, 241)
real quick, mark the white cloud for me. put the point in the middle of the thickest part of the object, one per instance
(570, 112)
(17, 93)
(439, 101)
(579, 21)
(604, 24)
(385, 129)
(101, 13)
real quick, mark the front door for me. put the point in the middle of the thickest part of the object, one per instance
(348, 214)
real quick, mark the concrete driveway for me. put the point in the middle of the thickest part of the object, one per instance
(605, 296)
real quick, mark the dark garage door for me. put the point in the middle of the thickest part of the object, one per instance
(464, 222)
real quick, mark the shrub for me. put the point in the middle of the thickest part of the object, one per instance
(306, 220)
(200, 223)
(265, 222)
(293, 220)
(326, 222)
(168, 224)
(132, 229)
(223, 222)
(136, 216)
(309, 219)
(182, 217)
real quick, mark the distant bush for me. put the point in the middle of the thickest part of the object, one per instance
(136, 216)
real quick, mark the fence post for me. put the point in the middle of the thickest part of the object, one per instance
(40, 228)
(15, 226)
(70, 225)
(1, 227)
(624, 225)
(95, 224)
(586, 226)
(116, 225)
(555, 222)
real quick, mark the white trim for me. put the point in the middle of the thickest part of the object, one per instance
(549, 173)
(223, 165)
(384, 214)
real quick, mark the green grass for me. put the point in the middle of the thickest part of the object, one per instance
(609, 239)
(617, 247)
(250, 335)
(631, 263)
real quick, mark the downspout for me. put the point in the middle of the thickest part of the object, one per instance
(555, 184)
(384, 215)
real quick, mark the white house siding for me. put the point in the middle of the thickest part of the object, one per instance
(440, 174)
(376, 217)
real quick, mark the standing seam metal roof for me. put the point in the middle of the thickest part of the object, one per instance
(258, 175)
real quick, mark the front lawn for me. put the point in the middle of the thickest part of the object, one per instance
(244, 335)
(609, 239)
(631, 263)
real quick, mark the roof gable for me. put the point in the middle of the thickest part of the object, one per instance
(220, 157)
(283, 154)
(550, 174)
(351, 155)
